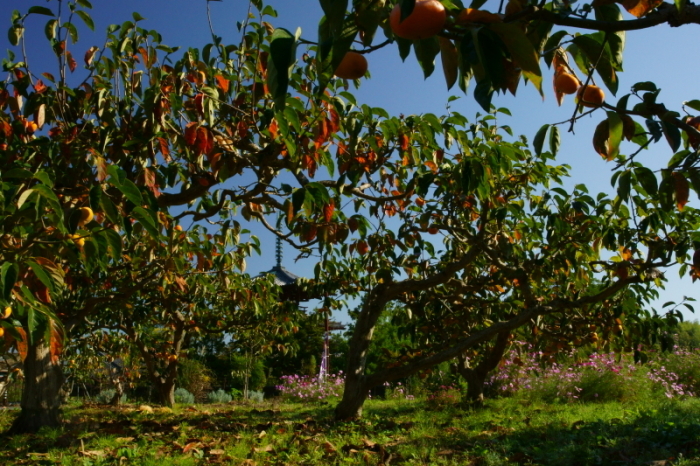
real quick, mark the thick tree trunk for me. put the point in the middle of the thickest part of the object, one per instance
(354, 396)
(475, 386)
(41, 398)
(166, 391)
(476, 376)
(355, 389)
(118, 392)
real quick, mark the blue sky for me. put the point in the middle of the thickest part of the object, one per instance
(664, 55)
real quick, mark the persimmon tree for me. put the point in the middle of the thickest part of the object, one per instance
(515, 246)
(197, 292)
(130, 141)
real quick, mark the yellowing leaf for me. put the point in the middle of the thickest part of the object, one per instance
(681, 188)
(640, 8)
(450, 61)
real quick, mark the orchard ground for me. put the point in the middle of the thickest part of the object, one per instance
(588, 408)
(506, 431)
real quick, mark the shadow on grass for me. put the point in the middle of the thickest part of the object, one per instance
(667, 435)
(504, 432)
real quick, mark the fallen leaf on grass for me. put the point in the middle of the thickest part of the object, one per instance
(124, 439)
(191, 446)
(446, 453)
(92, 453)
(265, 449)
(329, 448)
(216, 452)
(145, 409)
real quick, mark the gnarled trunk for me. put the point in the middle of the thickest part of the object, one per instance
(166, 391)
(475, 386)
(118, 392)
(41, 398)
(476, 376)
(354, 396)
(356, 389)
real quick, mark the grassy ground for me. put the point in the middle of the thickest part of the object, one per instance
(507, 431)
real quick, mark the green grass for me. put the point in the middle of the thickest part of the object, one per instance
(507, 431)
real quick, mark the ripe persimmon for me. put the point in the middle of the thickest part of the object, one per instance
(86, 214)
(591, 96)
(566, 83)
(427, 19)
(2, 332)
(7, 313)
(352, 66)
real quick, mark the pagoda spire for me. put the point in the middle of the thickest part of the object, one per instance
(278, 246)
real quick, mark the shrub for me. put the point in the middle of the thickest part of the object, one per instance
(676, 373)
(195, 377)
(310, 388)
(105, 396)
(219, 396)
(184, 397)
(596, 377)
(255, 396)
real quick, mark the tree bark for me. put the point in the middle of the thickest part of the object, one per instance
(41, 397)
(354, 395)
(476, 376)
(118, 392)
(166, 391)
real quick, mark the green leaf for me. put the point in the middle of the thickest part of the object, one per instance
(554, 140)
(283, 47)
(131, 192)
(610, 12)
(624, 184)
(86, 19)
(332, 49)
(8, 273)
(72, 31)
(591, 46)
(538, 142)
(615, 127)
(404, 47)
(42, 275)
(19, 173)
(426, 50)
(551, 46)
(672, 133)
(335, 14)
(40, 10)
(110, 210)
(694, 104)
(84, 3)
(32, 326)
(647, 179)
(680, 5)
(137, 17)
(407, 8)
(44, 177)
(522, 51)
(114, 243)
(14, 34)
(694, 176)
(491, 53)
(142, 215)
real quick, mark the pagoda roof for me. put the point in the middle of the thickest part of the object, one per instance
(283, 277)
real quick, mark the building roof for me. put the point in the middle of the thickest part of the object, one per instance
(282, 276)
